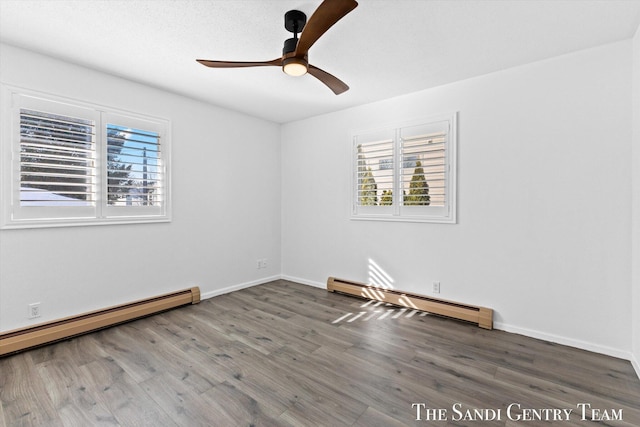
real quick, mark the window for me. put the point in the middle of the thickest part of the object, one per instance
(69, 163)
(406, 173)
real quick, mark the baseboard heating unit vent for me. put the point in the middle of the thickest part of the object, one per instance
(45, 333)
(481, 315)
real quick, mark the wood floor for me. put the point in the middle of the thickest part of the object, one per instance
(284, 354)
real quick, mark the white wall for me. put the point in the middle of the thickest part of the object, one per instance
(543, 233)
(226, 208)
(636, 203)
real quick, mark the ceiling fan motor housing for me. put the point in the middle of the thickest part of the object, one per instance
(289, 45)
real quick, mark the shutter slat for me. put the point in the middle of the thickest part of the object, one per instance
(27, 183)
(35, 157)
(124, 162)
(55, 166)
(54, 118)
(59, 135)
(61, 178)
(111, 142)
(56, 146)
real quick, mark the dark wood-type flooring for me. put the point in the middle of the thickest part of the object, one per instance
(285, 354)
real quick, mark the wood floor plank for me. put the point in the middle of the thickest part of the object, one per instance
(310, 413)
(172, 361)
(2, 416)
(244, 368)
(242, 408)
(330, 397)
(72, 399)
(242, 303)
(82, 349)
(288, 385)
(285, 354)
(264, 328)
(433, 380)
(23, 395)
(374, 418)
(118, 344)
(370, 385)
(130, 404)
(603, 380)
(74, 415)
(301, 303)
(184, 405)
(242, 329)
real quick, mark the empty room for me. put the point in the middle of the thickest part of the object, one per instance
(319, 213)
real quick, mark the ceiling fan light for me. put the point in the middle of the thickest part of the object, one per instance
(295, 67)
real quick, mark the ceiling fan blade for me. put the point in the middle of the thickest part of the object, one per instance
(332, 82)
(239, 64)
(328, 13)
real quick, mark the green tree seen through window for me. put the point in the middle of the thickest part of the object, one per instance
(418, 188)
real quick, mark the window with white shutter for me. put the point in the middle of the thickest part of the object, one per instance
(72, 163)
(136, 169)
(57, 160)
(374, 172)
(407, 172)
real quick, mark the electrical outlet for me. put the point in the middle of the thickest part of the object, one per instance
(436, 287)
(34, 310)
(264, 263)
(259, 263)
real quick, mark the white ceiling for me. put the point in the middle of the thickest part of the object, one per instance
(382, 49)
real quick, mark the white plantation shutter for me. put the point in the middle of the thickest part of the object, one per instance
(374, 168)
(72, 163)
(57, 160)
(135, 174)
(136, 166)
(424, 164)
(406, 173)
(374, 173)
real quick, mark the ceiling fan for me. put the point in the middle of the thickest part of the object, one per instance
(295, 54)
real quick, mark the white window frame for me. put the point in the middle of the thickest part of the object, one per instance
(392, 134)
(15, 215)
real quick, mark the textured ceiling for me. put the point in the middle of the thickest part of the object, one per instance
(384, 48)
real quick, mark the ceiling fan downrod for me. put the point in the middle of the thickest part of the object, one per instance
(294, 22)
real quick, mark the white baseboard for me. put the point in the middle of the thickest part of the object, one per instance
(228, 289)
(304, 281)
(583, 345)
(237, 287)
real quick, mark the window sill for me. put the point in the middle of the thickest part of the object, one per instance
(435, 220)
(26, 224)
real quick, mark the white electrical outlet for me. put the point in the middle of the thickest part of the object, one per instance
(259, 263)
(264, 263)
(436, 287)
(34, 310)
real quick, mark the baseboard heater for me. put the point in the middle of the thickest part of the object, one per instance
(481, 315)
(45, 333)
